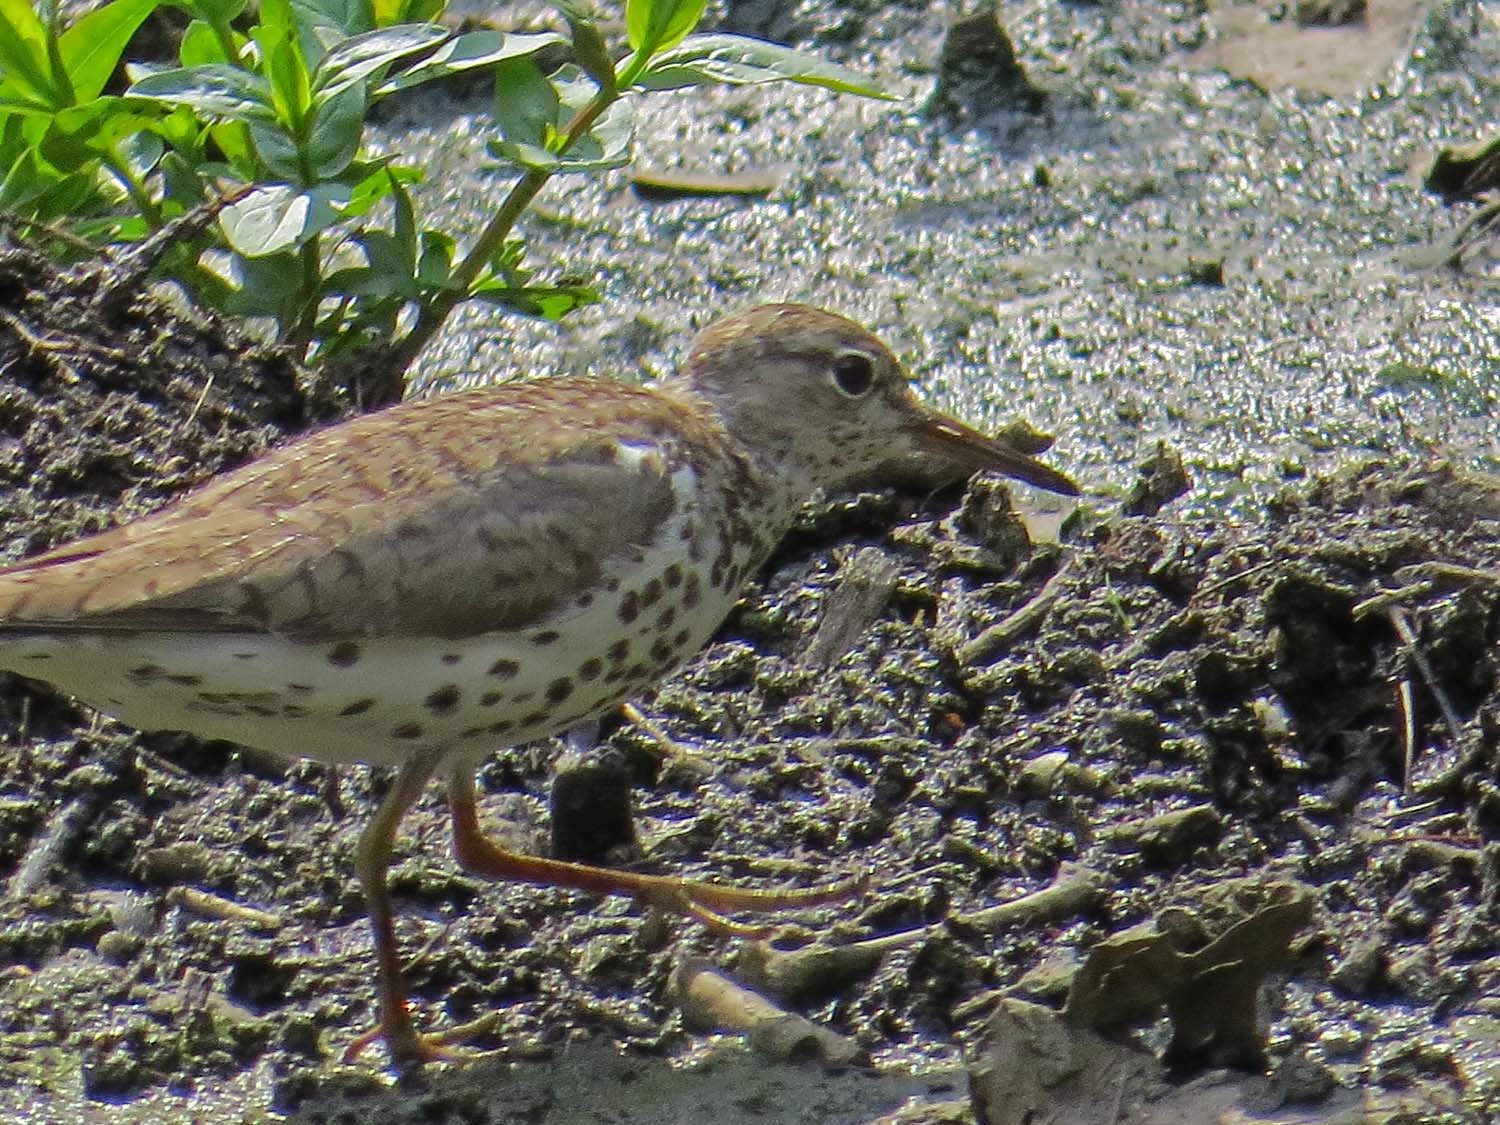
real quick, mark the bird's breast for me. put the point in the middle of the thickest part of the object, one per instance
(378, 698)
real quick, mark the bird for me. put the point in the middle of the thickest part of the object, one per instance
(417, 587)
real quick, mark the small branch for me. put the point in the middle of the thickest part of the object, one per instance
(1404, 704)
(214, 906)
(1425, 670)
(120, 279)
(988, 643)
(432, 315)
(789, 973)
(711, 999)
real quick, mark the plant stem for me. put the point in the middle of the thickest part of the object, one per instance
(300, 335)
(431, 315)
(134, 188)
(225, 35)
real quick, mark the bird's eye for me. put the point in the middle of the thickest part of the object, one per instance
(853, 374)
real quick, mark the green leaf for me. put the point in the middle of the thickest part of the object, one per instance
(200, 45)
(531, 111)
(356, 59)
(382, 277)
(655, 25)
(589, 48)
(16, 103)
(277, 15)
(337, 126)
(526, 104)
(110, 228)
(140, 151)
(70, 198)
(91, 48)
(83, 133)
(181, 130)
(574, 10)
(269, 286)
(738, 60)
(435, 262)
(279, 217)
(552, 302)
(382, 181)
(529, 156)
(607, 144)
(291, 89)
(180, 180)
(348, 17)
(233, 139)
(214, 11)
(466, 52)
(25, 57)
(277, 152)
(215, 90)
(390, 12)
(405, 225)
(26, 179)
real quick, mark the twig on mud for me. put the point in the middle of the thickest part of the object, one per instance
(1387, 600)
(1229, 580)
(1453, 575)
(864, 586)
(789, 973)
(1408, 733)
(41, 348)
(666, 745)
(208, 383)
(222, 909)
(1421, 579)
(65, 828)
(711, 999)
(1002, 633)
(121, 278)
(1475, 754)
(1424, 669)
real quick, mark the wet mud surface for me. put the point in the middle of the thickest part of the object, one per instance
(1194, 718)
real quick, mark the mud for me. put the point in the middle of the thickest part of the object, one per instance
(1195, 713)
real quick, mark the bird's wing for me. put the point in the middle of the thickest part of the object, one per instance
(452, 517)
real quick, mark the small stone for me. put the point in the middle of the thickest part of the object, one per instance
(1358, 969)
(117, 947)
(186, 861)
(1162, 479)
(979, 74)
(1170, 838)
(1042, 776)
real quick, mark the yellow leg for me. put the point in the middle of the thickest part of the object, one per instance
(707, 902)
(372, 861)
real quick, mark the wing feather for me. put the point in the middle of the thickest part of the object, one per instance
(448, 517)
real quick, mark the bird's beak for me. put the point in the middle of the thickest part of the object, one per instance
(969, 449)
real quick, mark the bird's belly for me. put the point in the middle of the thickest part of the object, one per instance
(379, 699)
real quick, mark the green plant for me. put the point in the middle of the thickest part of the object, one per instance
(328, 241)
(66, 149)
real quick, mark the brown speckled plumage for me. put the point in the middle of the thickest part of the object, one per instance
(413, 586)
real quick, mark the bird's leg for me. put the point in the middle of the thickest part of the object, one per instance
(372, 861)
(707, 902)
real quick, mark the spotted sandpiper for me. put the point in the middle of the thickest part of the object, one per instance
(415, 587)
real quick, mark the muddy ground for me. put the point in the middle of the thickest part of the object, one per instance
(1188, 721)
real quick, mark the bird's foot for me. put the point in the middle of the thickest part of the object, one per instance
(410, 1047)
(711, 903)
